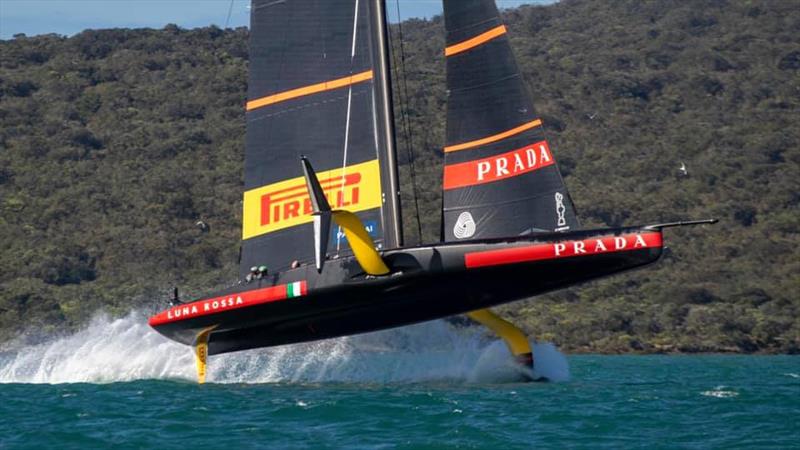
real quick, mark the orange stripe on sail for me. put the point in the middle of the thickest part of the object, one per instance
(308, 90)
(494, 137)
(476, 41)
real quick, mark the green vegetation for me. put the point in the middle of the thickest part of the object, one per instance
(114, 143)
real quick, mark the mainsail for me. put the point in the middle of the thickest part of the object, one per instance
(500, 175)
(315, 90)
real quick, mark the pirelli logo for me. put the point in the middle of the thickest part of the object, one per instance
(286, 203)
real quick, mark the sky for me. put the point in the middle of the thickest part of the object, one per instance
(68, 17)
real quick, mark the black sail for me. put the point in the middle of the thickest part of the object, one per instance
(500, 176)
(312, 92)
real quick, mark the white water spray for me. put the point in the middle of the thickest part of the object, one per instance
(127, 349)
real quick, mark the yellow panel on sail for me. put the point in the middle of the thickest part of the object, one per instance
(286, 203)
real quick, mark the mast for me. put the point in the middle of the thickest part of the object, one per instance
(393, 229)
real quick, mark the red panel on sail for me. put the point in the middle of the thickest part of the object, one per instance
(499, 167)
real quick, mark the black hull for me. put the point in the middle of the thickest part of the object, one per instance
(427, 283)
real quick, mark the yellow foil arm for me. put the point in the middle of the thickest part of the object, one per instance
(201, 353)
(516, 340)
(360, 242)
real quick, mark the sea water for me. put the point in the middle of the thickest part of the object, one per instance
(119, 384)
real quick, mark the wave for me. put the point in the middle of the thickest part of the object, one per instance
(127, 349)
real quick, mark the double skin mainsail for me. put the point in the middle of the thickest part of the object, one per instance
(314, 91)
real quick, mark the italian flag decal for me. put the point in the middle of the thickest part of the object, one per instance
(295, 289)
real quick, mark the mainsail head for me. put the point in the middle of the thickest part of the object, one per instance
(500, 176)
(311, 92)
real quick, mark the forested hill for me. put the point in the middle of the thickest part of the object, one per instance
(114, 143)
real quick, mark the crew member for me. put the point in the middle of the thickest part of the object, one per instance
(256, 273)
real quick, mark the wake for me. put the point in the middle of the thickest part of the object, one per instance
(127, 349)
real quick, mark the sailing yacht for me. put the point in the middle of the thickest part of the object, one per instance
(321, 207)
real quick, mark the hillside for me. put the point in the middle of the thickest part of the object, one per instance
(113, 143)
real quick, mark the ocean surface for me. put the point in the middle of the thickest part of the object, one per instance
(118, 384)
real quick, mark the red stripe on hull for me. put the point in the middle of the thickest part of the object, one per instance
(566, 249)
(224, 303)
